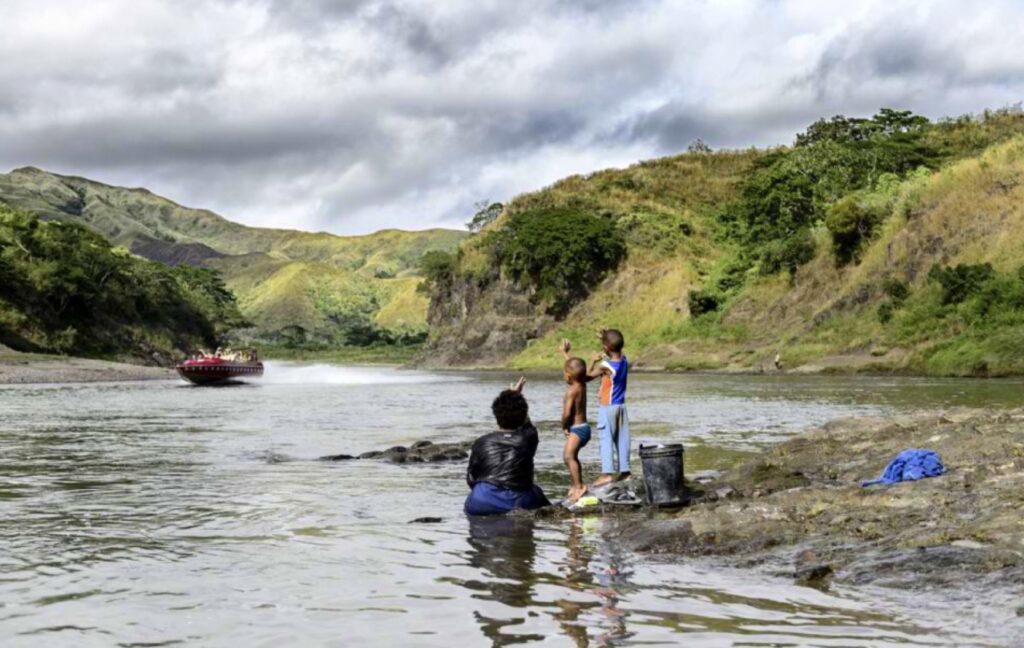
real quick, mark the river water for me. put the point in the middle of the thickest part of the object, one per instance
(155, 513)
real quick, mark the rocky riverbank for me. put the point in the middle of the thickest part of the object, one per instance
(799, 508)
(26, 368)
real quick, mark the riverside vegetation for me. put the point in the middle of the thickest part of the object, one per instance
(891, 243)
(66, 290)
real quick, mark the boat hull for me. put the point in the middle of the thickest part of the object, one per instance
(208, 374)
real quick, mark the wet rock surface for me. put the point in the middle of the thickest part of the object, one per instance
(799, 510)
(419, 452)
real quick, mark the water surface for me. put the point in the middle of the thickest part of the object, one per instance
(162, 514)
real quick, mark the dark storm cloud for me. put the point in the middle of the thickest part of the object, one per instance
(314, 14)
(412, 32)
(354, 114)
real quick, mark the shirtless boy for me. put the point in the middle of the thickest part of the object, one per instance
(574, 419)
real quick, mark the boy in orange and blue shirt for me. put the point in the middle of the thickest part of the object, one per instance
(612, 367)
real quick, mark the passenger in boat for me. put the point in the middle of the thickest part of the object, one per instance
(500, 472)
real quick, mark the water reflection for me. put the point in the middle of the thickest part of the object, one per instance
(505, 548)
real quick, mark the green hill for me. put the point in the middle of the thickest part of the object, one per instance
(296, 287)
(889, 243)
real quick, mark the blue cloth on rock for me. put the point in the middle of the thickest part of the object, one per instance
(910, 465)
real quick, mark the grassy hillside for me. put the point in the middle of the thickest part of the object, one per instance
(64, 289)
(890, 243)
(300, 288)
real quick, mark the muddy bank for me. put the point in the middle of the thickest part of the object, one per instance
(25, 368)
(799, 509)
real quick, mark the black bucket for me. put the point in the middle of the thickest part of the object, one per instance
(663, 474)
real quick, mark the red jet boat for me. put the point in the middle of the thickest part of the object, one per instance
(204, 371)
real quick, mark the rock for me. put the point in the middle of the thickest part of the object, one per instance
(810, 570)
(705, 476)
(967, 544)
(724, 492)
(935, 533)
(419, 452)
(426, 520)
(813, 575)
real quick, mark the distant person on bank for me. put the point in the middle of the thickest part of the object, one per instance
(500, 473)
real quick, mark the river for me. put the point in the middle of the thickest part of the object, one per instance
(156, 513)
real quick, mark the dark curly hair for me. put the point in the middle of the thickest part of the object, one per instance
(510, 410)
(612, 338)
(577, 369)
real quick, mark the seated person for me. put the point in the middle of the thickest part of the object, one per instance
(500, 471)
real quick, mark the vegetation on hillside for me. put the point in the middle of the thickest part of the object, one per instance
(867, 239)
(64, 289)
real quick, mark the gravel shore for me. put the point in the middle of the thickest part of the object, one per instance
(26, 368)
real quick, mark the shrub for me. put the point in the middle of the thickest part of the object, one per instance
(732, 275)
(558, 253)
(897, 290)
(886, 311)
(961, 281)
(788, 190)
(437, 268)
(703, 301)
(851, 224)
(787, 254)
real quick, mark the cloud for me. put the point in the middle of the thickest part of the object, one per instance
(351, 115)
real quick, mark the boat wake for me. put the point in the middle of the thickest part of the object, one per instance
(288, 373)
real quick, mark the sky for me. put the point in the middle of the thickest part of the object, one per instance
(356, 115)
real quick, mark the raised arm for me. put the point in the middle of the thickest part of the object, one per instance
(565, 347)
(597, 369)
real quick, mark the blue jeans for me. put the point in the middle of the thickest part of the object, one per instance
(613, 424)
(488, 499)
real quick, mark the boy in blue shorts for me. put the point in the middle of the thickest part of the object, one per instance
(574, 419)
(612, 367)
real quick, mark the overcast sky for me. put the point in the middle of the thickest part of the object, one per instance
(353, 115)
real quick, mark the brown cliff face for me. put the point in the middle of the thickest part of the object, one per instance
(480, 324)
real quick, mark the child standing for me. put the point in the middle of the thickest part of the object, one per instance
(574, 419)
(612, 367)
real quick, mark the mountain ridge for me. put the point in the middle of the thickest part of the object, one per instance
(374, 276)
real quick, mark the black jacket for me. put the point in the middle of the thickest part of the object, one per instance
(504, 459)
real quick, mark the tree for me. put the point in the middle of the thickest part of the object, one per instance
(486, 213)
(698, 146)
(558, 253)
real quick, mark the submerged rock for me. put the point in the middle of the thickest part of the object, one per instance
(419, 452)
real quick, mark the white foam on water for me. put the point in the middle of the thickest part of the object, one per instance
(289, 373)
